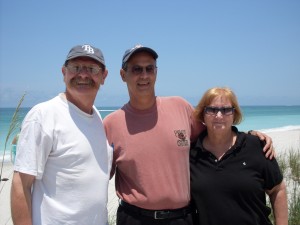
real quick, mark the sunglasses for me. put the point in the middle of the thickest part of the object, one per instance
(214, 110)
(137, 70)
(77, 68)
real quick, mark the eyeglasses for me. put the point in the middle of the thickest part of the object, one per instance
(214, 110)
(90, 69)
(137, 70)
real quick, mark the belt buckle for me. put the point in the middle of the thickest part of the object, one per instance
(159, 215)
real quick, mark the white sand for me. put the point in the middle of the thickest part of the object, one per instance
(7, 172)
(283, 141)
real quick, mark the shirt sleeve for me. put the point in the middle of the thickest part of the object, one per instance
(34, 146)
(272, 174)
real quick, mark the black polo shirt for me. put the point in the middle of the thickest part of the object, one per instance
(232, 190)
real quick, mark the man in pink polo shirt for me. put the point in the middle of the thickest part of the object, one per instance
(151, 137)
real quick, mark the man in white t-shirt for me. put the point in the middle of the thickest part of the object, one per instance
(63, 158)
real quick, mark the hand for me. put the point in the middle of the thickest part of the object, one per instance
(268, 148)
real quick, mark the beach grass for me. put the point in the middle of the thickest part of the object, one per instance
(293, 179)
(289, 164)
(294, 164)
(13, 128)
(112, 219)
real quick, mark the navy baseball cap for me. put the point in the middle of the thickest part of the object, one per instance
(86, 51)
(138, 48)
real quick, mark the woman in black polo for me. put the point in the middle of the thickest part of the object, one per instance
(230, 174)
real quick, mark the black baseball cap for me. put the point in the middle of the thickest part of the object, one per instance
(86, 51)
(138, 48)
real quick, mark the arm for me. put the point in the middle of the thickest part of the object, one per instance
(113, 169)
(268, 148)
(14, 141)
(21, 198)
(278, 200)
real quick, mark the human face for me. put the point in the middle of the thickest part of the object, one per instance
(140, 75)
(223, 119)
(83, 83)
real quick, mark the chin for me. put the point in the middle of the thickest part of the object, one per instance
(219, 127)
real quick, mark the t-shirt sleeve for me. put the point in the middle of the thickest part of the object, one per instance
(34, 146)
(196, 126)
(108, 131)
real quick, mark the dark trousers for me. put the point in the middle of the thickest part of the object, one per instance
(126, 217)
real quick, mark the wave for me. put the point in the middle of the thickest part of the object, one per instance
(277, 129)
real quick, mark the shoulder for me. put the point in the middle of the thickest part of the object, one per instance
(47, 104)
(43, 109)
(175, 101)
(112, 117)
(252, 140)
(251, 144)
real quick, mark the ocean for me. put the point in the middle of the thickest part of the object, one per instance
(264, 118)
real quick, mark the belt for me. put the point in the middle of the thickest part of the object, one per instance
(157, 214)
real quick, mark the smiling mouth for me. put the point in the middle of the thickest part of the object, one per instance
(82, 83)
(143, 84)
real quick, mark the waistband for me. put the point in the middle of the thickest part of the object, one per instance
(158, 214)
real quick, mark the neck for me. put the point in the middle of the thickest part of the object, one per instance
(84, 104)
(142, 103)
(219, 144)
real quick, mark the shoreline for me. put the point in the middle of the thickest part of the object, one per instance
(255, 117)
(270, 131)
(283, 141)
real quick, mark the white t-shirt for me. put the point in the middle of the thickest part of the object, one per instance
(68, 153)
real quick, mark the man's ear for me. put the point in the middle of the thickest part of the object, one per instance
(104, 75)
(63, 70)
(122, 73)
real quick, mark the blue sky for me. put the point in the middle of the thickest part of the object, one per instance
(251, 46)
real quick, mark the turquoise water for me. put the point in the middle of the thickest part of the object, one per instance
(264, 118)
(6, 115)
(269, 117)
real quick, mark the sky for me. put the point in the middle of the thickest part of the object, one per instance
(251, 46)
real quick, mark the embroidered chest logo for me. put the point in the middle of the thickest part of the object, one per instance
(181, 135)
(88, 49)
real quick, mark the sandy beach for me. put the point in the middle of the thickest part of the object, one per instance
(7, 172)
(283, 140)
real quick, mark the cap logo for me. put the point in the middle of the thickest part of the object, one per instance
(88, 49)
(137, 46)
